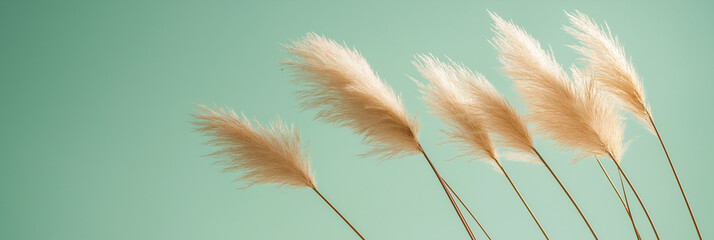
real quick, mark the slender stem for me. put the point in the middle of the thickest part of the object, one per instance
(338, 213)
(566, 192)
(446, 190)
(624, 205)
(624, 192)
(612, 184)
(675, 176)
(636, 195)
(467, 208)
(627, 203)
(521, 197)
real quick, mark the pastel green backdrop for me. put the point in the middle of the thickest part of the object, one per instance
(97, 142)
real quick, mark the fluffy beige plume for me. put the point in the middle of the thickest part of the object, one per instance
(616, 75)
(600, 114)
(341, 85)
(446, 97)
(576, 116)
(264, 155)
(610, 66)
(499, 116)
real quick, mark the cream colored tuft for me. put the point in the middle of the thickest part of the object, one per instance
(576, 116)
(600, 114)
(499, 116)
(264, 155)
(446, 97)
(610, 66)
(339, 83)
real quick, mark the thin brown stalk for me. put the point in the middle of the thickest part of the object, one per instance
(522, 200)
(612, 184)
(624, 205)
(566, 192)
(448, 194)
(654, 229)
(627, 205)
(691, 214)
(467, 209)
(624, 192)
(338, 212)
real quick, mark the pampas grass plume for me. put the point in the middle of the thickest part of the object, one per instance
(609, 65)
(446, 97)
(573, 115)
(271, 155)
(340, 84)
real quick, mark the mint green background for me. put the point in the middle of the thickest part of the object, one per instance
(96, 141)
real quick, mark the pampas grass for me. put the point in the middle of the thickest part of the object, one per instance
(579, 111)
(445, 96)
(617, 76)
(270, 155)
(575, 115)
(610, 67)
(499, 116)
(447, 99)
(339, 83)
(484, 103)
(575, 118)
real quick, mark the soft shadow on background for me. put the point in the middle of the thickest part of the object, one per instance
(96, 139)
